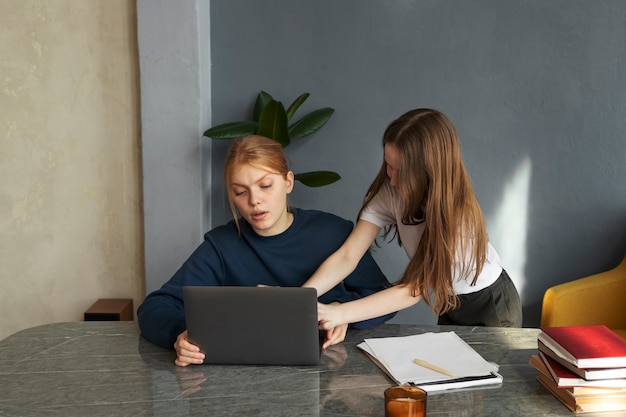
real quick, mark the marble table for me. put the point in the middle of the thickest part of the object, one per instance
(108, 369)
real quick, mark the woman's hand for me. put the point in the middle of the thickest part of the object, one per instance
(186, 352)
(335, 335)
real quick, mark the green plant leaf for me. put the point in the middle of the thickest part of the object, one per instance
(261, 101)
(231, 130)
(317, 178)
(296, 105)
(270, 119)
(310, 123)
(273, 123)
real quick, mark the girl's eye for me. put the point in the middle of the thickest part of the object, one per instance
(238, 193)
(266, 186)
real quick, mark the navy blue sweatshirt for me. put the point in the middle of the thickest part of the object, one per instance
(248, 259)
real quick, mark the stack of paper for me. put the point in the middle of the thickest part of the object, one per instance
(583, 366)
(458, 365)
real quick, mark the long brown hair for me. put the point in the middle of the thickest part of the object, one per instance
(259, 152)
(436, 190)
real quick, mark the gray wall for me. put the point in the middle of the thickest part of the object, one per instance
(174, 59)
(536, 90)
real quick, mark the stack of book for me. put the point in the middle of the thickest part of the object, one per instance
(583, 366)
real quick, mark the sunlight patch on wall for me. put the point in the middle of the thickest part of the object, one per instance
(509, 221)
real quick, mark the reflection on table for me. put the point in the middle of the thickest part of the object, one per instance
(107, 368)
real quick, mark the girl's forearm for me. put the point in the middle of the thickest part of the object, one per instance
(395, 298)
(330, 273)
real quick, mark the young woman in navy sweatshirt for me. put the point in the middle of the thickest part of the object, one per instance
(267, 243)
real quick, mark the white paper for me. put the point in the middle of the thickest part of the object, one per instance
(445, 350)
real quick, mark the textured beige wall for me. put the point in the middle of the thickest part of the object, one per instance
(70, 194)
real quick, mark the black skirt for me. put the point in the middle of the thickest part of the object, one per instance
(498, 305)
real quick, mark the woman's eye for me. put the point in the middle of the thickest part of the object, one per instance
(266, 186)
(239, 193)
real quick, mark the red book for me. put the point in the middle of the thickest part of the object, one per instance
(586, 346)
(565, 378)
(586, 373)
(576, 390)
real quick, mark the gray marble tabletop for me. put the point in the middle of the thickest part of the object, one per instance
(108, 369)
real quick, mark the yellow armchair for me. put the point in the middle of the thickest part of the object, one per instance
(596, 299)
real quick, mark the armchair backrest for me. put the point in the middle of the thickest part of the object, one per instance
(596, 299)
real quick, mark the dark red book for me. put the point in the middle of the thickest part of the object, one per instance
(586, 346)
(565, 378)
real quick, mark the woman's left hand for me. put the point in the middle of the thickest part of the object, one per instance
(335, 335)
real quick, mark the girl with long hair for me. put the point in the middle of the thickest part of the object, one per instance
(423, 197)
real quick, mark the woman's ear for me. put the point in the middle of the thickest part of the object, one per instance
(290, 178)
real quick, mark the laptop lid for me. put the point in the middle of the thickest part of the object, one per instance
(253, 325)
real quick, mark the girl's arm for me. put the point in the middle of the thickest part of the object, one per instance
(345, 259)
(383, 302)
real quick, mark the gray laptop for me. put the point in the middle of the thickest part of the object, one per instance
(254, 325)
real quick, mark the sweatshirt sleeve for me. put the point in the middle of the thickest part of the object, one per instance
(161, 316)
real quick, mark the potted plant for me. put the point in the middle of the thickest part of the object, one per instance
(270, 119)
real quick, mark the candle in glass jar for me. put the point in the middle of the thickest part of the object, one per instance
(404, 401)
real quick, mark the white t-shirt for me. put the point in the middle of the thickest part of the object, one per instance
(387, 207)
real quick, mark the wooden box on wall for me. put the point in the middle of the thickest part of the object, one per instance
(110, 309)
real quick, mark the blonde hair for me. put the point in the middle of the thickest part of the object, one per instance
(437, 191)
(257, 151)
